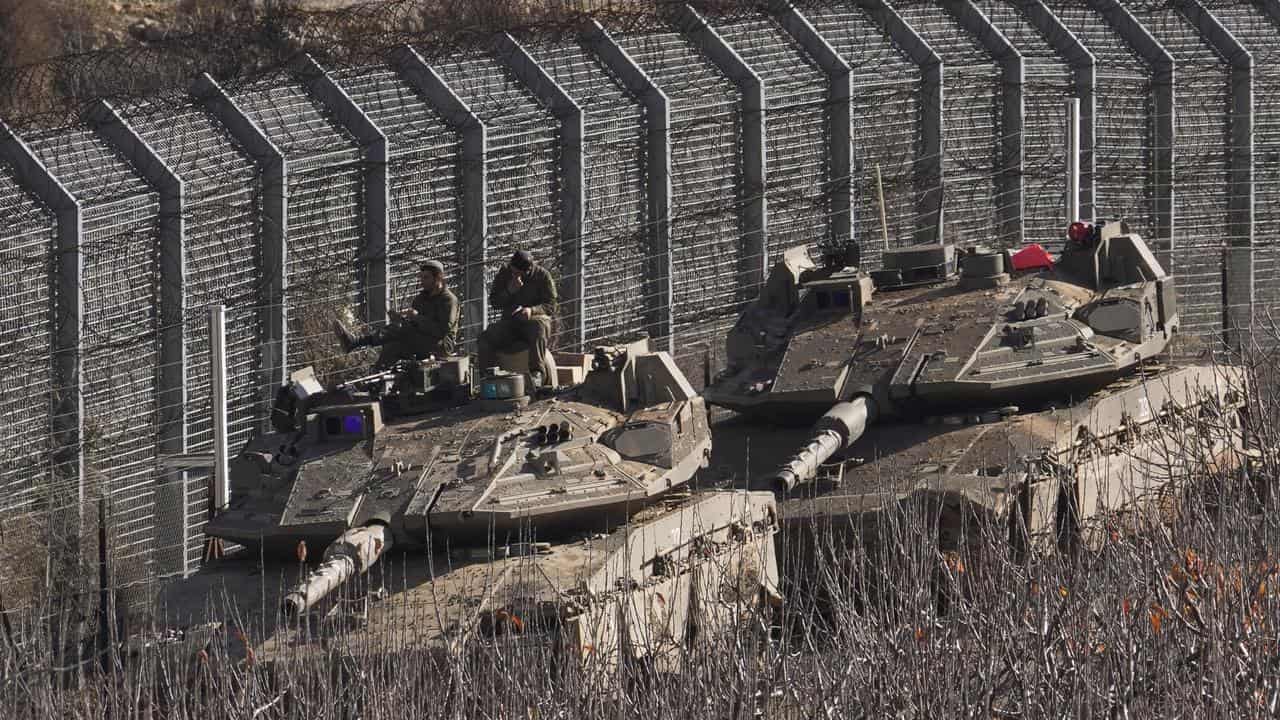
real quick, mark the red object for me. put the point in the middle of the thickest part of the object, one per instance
(1032, 257)
(1078, 232)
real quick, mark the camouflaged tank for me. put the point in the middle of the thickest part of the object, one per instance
(1035, 399)
(562, 518)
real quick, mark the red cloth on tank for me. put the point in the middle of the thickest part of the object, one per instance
(1032, 257)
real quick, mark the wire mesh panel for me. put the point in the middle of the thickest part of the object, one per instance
(796, 97)
(614, 233)
(522, 162)
(886, 124)
(222, 245)
(325, 267)
(1250, 23)
(120, 345)
(1048, 83)
(971, 157)
(708, 253)
(1124, 120)
(423, 177)
(26, 345)
(1202, 181)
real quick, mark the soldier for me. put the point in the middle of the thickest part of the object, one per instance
(526, 295)
(428, 327)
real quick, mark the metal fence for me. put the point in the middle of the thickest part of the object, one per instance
(657, 166)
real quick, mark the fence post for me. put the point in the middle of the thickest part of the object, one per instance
(475, 212)
(573, 184)
(754, 184)
(659, 309)
(1073, 160)
(928, 166)
(1239, 280)
(1163, 66)
(172, 392)
(1010, 212)
(275, 225)
(67, 402)
(377, 202)
(839, 114)
(221, 494)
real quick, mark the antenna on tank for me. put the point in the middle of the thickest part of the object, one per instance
(942, 202)
(884, 218)
(1073, 160)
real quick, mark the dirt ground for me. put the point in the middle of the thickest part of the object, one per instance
(33, 31)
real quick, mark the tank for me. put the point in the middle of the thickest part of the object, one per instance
(1021, 390)
(565, 517)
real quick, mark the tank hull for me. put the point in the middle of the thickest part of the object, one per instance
(1044, 481)
(599, 598)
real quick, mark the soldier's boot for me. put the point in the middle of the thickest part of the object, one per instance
(346, 339)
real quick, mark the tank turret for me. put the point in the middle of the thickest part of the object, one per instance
(923, 369)
(940, 327)
(425, 458)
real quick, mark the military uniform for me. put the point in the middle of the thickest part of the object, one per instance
(509, 333)
(433, 331)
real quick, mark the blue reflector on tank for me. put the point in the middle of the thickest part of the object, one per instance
(353, 424)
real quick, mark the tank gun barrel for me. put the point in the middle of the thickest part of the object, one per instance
(843, 424)
(352, 553)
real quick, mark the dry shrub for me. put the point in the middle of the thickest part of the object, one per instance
(22, 559)
(60, 56)
(29, 34)
(28, 31)
(213, 15)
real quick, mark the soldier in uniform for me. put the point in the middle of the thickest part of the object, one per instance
(428, 327)
(526, 295)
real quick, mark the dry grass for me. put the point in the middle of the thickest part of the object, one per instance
(28, 32)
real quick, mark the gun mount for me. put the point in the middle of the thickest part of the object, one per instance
(836, 430)
(351, 554)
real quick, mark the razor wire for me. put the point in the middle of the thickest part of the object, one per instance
(887, 116)
(1256, 28)
(1047, 79)
(1202, 86)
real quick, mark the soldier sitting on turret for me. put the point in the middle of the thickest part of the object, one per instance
(428, 327)
(526, 295)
